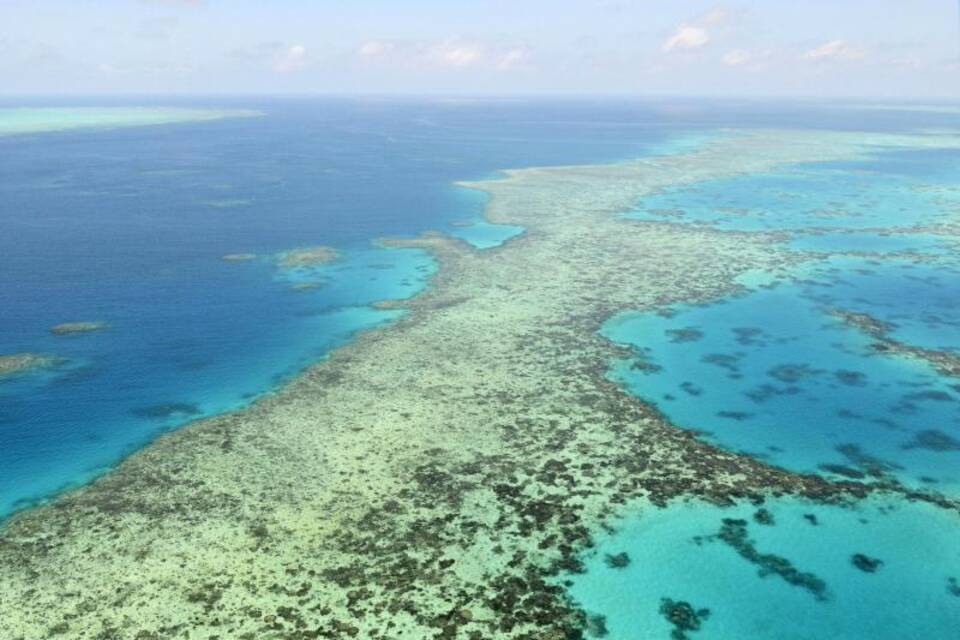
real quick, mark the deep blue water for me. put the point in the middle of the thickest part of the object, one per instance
(128, 226)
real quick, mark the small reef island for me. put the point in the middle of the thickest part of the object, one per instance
(70, 328)
(18, 363)
(307, 257)
(444, 475)
(19, 121)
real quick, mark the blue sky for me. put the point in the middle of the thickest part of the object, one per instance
(809, 48)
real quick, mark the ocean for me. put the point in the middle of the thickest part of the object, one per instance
(129, 226)
(173, 236)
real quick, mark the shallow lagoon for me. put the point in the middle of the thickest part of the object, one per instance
(774, 373)
(485, 235)
(15, 121)
(828, 196)
(676, 553)
(865, 242)
(474, 228)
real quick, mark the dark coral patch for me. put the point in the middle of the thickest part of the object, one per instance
(683, 617)
(734, 533)
(933, 440)
(851, 378)
(792, 373)
(617, 560)
(167, 410)
(953, 587)
(763, 516)
(866, 563)
(687, 334)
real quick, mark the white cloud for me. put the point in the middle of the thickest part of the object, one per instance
(157, 28)
(513, 58)
(292, 59)
(737, 57)
(700, 32)
(176, 3)
(686, 37)
(449, 53)
(714, 17)
(459, 55)
(838, 50)
(375, 48)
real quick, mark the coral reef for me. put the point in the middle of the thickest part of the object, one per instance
(434, 477)
(307, 257)
(617, 560)
(865, 563)
(239, 257)
(683, 617)
(17, 363)
(69, 328)
(945, 362)
(734, 533)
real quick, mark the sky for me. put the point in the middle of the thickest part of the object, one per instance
(890, 49)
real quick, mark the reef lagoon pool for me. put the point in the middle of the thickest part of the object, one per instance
(837, 364)
(864, 242)
(779, 373)
(785, 569)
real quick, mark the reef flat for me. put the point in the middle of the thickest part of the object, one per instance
(307, 257)
(17, 363)
(20, 120)
(431, 478)
(239, 257)
(946, 362)
(70, 328)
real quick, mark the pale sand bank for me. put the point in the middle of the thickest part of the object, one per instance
(16, 363)
(239, 257)
(307, 257)
(69, 328)
(21, 120)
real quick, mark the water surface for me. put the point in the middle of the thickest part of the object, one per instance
(789, 570)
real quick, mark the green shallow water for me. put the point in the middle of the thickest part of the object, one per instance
(872, 243)
(37, 120)
(675, 553)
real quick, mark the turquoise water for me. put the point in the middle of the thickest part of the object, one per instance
(920, 301)
(774, 373)
(485, 235)
(187, 374)
(687, 553)
(128, 225)
(864, 242)
(809, 196)
(474, 228)
(15, 121)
